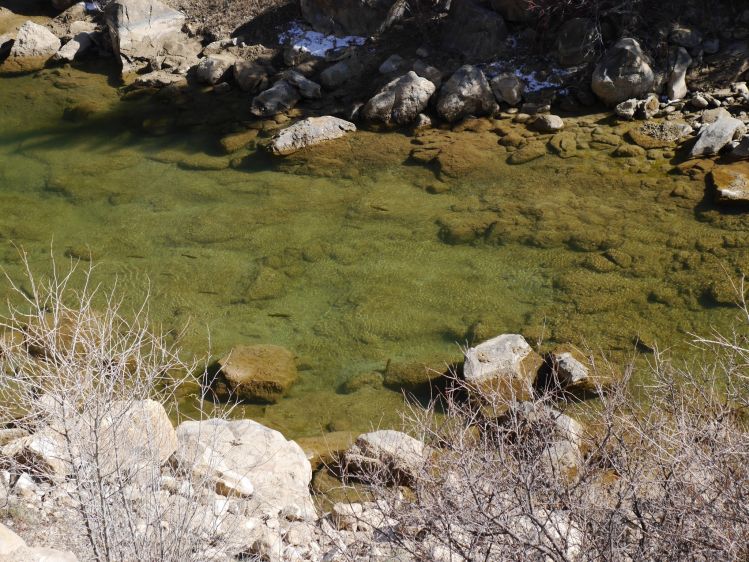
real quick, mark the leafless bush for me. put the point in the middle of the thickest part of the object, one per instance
(656, 472)
(87, 380)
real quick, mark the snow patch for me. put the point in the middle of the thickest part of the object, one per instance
(316, 43)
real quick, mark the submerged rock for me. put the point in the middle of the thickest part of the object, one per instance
(277, 99)
(400, 101)
(467, 92)
(247, 459)
(259, 372)
(34, 41)
(623, 73)
(731, 182)
(505, 366)
(309, 132)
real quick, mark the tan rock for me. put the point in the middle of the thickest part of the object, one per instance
(259, 372)
(9, 541)
(731, 182)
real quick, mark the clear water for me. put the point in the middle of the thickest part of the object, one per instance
(341, 253)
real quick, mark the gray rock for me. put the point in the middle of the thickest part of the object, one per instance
(713, 137)
(341, 72)
(400, 101)
(277, 99)
(676, 88)
(547, 124)
(75, 47)
(139, 29)
(350, 17)
(623, 73)
(34, 41)
(309, 132)
(570, 370)
(474, 31)
(434, 75)
(698, 102)
(508, 88)
(576, 42)
(307, 88)
(627, 109)
(250, 76)
(467, 92)
(387, 453)
(392, 64)
(213, 68)
(711, 46)
(505, 363)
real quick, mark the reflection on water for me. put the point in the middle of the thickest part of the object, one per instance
(352, 255)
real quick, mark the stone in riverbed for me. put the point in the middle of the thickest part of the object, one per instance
(467, 92)
(564, 144)
(731, 182)
(306, 87)
(713, 137)
(259, 372)
(34, 41)
(676, 88)
(400, 101)
(309, 132)
(547, 124)
(504, 366)
(659, 135)
(277, 99)
(251, 76)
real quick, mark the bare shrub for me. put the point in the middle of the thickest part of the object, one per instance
(656, 472)
(87, 380)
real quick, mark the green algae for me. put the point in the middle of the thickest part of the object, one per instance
(374, 249)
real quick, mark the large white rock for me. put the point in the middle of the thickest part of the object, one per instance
(467, 92)
(34, 40)
(676, 88)
(245, 458)
(401, 100)
(387, 454)
(139, 29)
(309, 132)
(714, 136)
(506, 364)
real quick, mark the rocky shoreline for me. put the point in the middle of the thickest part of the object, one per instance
(478, 63)
(251, 492)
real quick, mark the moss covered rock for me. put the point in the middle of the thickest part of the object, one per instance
(259, 372)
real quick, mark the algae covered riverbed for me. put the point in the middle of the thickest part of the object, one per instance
(377, 248)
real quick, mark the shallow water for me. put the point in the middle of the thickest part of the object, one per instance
(352, 255)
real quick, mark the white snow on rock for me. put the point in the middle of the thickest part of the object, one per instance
(530, 78)
(314, 42)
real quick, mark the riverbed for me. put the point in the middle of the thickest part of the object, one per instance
(360, 252)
